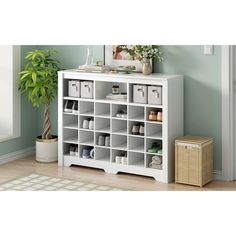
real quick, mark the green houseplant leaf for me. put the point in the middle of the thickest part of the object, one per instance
(39, 79)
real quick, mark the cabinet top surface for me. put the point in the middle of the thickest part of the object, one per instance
(156, 76)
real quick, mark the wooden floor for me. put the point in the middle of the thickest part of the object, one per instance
(28, 165)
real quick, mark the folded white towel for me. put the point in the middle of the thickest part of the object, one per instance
(157, 160)
(155, 166)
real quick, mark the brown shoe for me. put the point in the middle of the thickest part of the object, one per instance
(152, 116)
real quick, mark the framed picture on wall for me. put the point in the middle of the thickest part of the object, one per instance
(121, 55)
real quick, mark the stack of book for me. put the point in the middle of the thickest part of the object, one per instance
(120, 96)
(94, 69)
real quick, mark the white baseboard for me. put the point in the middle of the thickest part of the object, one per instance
(17, 155)
(218, 175)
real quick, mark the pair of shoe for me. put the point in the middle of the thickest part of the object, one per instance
(155, 116)
(155, 148)
(138, 129)
(122, 112)
(88, 124)
(88, 153)
(73, 150)
(121, 158)
(71, 107)
(103, 140)
(156, 163)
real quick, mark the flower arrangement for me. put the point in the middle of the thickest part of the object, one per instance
(143, 53)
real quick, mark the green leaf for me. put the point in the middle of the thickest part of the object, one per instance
(34, 77)
(24, 76)
(43, 91)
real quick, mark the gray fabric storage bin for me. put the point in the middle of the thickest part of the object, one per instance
(86, 89)
(155, 95)
(74, 88)
(140, 93)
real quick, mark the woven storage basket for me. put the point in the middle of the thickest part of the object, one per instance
(193, 160)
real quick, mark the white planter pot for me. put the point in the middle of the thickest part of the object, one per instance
(47, 150)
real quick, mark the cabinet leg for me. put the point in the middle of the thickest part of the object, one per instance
(66, 164)
(110, 171)
(157, 179)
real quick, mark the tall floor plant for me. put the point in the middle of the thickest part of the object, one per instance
(39, 80)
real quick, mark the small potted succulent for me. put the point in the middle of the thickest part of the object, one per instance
(39, 80)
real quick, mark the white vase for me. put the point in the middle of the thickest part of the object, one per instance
(47, 149)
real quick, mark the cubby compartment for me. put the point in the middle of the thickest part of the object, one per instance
(104, 89)
(154, 131)
(86, 108)
(86, 151)
(71, 149)
(155, 145)
(119, 141)
(70, 106)
(86, 123)
(136, 113)
(152, 163)
(137, 128)
(86, 138)
(119, 127)
(70, 136)
(136, 159)
(102, 110)
(136, 144)
(102, 125)
(70, 122)
(102, 154)
(117, 156)
(102, 140)
(119, 111)
(154, 115)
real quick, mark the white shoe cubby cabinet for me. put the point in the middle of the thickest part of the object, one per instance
(103, 111)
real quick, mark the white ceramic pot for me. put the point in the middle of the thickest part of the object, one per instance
(47, 150)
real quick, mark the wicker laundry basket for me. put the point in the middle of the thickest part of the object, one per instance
(193, 160)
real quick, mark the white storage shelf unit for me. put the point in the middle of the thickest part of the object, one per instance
(103, 112)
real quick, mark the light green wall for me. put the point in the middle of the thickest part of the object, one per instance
(202, 92)
(28, 122)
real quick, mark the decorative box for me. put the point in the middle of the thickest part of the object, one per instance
(155, 95)
(193, 160)
(74, 88)
(86, 89)
(140, 94)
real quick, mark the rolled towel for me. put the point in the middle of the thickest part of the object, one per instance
(157, 160)
(155, 166)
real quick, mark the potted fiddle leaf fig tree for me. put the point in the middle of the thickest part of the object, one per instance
(39, 80)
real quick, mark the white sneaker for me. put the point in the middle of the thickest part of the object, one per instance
(91, 124)
(85, 124)
(124, 160)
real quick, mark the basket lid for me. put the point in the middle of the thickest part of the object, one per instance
(194, 139)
